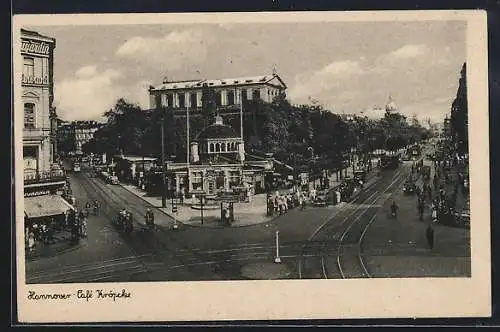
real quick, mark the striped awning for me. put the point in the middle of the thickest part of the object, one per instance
(44, 206)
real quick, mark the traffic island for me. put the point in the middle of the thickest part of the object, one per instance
(266, 271)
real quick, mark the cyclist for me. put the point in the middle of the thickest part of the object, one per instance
(394, 208)
(96, 207)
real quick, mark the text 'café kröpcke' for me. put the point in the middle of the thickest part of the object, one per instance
(44, 179)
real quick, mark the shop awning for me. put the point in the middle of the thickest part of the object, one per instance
(44, 206)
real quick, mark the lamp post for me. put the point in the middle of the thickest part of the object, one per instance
(201, 196)
(163, 173)
(277, 259)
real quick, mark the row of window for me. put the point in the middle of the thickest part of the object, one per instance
(195, 100)
(220, 147)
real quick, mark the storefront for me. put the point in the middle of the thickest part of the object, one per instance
(45, 209)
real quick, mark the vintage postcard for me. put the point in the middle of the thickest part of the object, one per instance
(251, 166)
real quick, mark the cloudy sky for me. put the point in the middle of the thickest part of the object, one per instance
(346, 66)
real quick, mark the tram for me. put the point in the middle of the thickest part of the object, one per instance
(414, 151)
(390, 161)
(76, 166)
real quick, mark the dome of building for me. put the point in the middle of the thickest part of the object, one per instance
(217, 130)
(391, 105)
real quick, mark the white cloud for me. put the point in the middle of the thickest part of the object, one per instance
(86, 71)
(408, 51)
(328, 77)
(88, 94)
(172, 51)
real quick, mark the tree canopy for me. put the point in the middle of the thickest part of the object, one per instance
(290, 132)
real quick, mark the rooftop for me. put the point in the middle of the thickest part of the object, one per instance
(238, 81)
(217, 130)
(135, 158)
(31, 33)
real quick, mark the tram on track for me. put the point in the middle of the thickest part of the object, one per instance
(390, 161)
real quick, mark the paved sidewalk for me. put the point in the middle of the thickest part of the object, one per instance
(61, 243)
(246, 214)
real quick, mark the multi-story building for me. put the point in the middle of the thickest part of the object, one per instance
(44, 180)
(72, 136)
(229, 92)
(40, 119)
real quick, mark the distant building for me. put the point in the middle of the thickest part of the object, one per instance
(229, 92)
(73, 135)
(446, 130)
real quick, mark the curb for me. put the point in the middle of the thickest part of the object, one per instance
(68, 247)
(197, 226)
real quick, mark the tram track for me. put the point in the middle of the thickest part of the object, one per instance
(350, 261)
(345, 246)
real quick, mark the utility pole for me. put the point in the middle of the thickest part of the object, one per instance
(163, 173)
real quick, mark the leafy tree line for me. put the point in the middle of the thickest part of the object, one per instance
(294, 134)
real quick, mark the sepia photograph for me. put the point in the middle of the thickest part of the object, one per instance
(207, 158)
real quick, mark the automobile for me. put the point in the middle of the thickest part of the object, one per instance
(113, 179)
(406, 157)
(321, 198)
(359, 175)
(409, 187)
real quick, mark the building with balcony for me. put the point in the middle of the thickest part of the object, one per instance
(39, 146)
(43, 176)
(229, 93)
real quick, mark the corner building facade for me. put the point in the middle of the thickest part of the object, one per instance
(40, 120)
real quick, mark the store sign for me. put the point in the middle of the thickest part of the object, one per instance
(35, 80)
(35, 47)
(37, 193)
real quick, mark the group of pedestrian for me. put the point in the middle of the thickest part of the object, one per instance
(39, 231)
(281, 203)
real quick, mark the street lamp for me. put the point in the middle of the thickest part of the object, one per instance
(163, 173)
(311, 160)
(277, 259)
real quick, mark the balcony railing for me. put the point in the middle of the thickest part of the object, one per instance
(44, 177)
(36, 133)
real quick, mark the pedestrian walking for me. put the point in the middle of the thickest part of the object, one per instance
(303, 204)
(83, 227)
(31, 241)
(429, 233)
